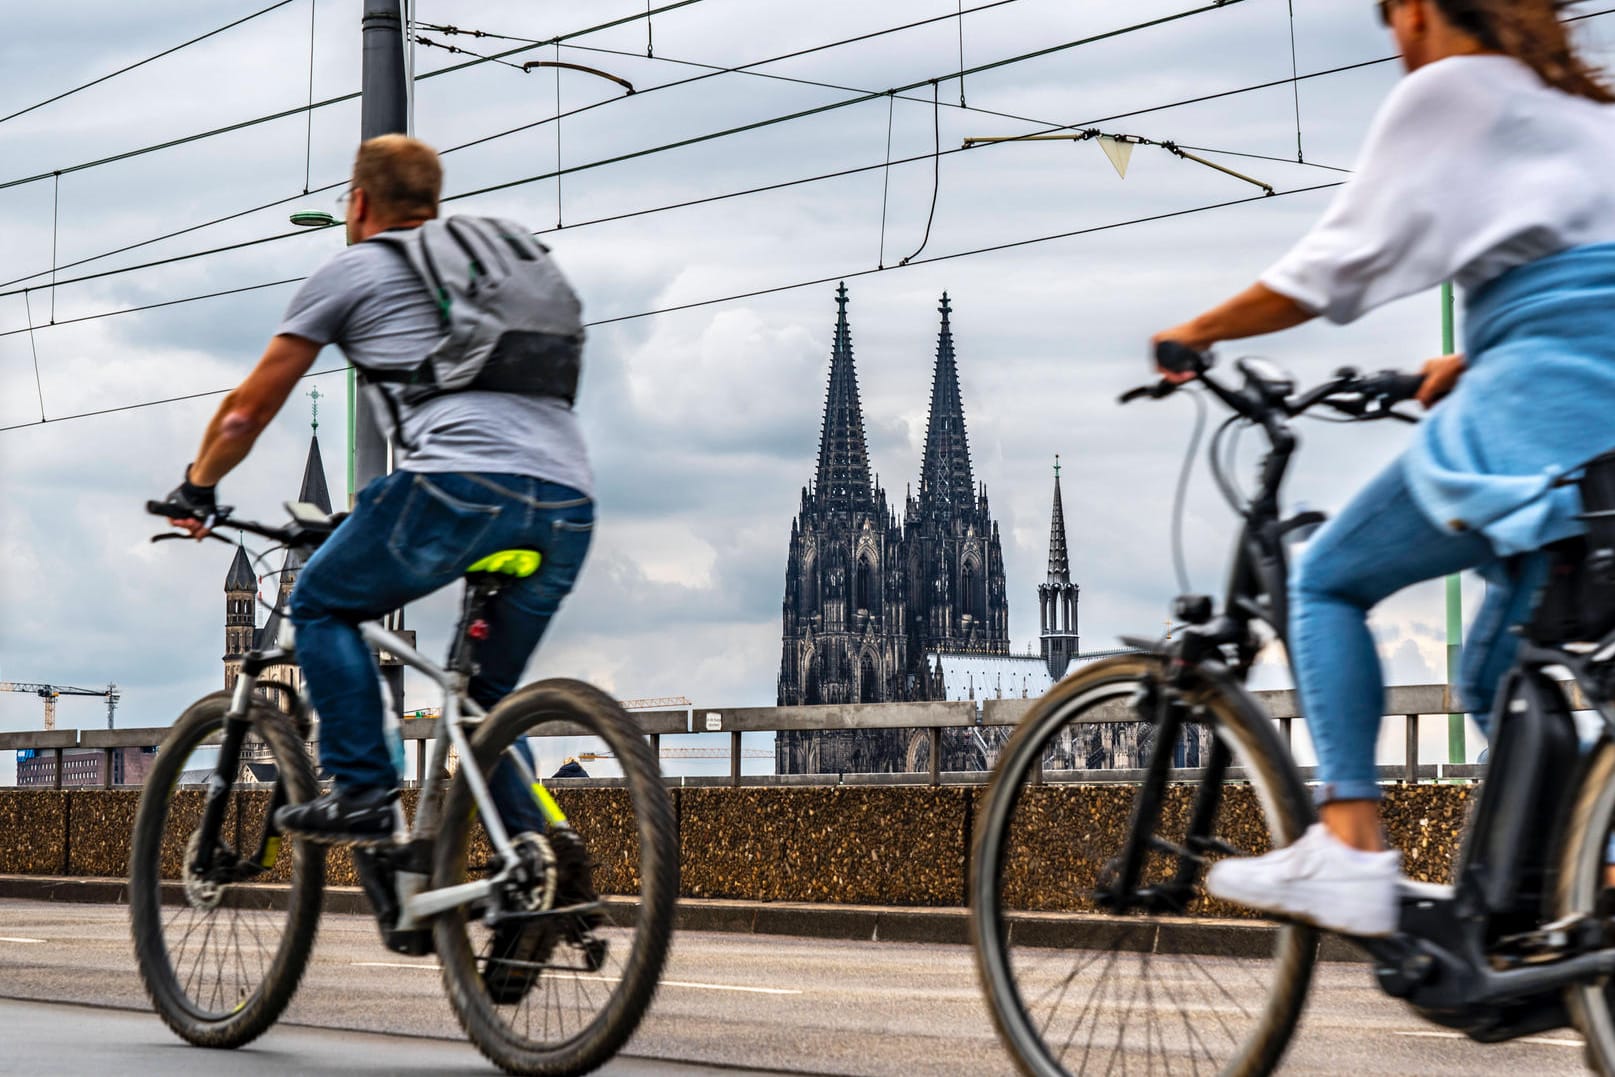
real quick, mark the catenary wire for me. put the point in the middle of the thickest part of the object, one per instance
(141, 63)
(339, 99)
(559, 171)
(1136, 112)
(772, 290)
(532, 43)
(713, 71)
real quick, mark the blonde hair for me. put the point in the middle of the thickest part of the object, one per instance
(1529, 31)
(401, 176)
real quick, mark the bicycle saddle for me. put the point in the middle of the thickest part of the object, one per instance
(517, 563)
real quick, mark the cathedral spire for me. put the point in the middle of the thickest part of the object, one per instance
(1059, 561)
(946, 486)
(842, 481)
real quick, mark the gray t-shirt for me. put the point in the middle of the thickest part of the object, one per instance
(370, 303)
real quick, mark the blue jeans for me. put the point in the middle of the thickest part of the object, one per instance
(409, 535)
(1379, 544)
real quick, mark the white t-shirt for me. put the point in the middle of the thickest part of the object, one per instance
(1473, 166)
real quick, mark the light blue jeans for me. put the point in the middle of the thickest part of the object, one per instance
(1379, 544)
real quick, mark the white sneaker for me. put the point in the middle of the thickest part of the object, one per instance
(1318, 880)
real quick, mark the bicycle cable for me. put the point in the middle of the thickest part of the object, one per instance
(1178, 563)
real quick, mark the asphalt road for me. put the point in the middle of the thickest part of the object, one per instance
(71, 1002)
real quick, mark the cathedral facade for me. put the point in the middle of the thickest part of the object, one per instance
(870, 601)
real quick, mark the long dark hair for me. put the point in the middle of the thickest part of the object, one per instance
(1529, 31)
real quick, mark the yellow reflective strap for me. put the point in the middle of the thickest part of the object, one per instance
(271, 852)
(518, 563)
(553, 815)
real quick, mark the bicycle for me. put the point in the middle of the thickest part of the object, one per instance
(1522, 943)
(224, 910)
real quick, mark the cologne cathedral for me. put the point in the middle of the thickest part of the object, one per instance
(872, 602)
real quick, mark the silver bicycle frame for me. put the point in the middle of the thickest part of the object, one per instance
(417, 904)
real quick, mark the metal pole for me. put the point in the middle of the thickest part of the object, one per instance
(1456, 748)
(384, 110)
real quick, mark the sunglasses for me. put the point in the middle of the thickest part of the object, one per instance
(1385, 7)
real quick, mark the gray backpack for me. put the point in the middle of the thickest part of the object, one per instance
(511, 323)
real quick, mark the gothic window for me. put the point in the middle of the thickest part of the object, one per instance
(868, 682)
(969, 601)
(865, 598)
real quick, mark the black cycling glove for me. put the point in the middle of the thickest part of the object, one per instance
(201, 499)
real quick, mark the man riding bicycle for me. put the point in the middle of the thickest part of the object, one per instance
(1488, 165)
(478, 471)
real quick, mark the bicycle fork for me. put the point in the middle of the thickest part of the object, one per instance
(1124, 891)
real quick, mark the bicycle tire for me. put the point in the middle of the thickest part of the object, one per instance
(1578, 887)
(504, 1032)
(1282, 807)
(200, 1008)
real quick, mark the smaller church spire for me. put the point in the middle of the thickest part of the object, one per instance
(240, 577)
(1059, 560)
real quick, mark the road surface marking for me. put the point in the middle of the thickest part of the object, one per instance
(8, 938)
(606, 979)
(1431, 1034)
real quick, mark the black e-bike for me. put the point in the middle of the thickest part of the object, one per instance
(1084, 902)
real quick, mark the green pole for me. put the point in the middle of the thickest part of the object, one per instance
(353, 409)
(1456, 748)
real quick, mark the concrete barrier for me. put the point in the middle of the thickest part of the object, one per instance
(904, 846)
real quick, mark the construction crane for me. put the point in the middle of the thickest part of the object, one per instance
(51, 692)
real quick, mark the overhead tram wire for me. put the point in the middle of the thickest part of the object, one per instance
(340, 99)
(833, 106)
(531, 43)
(861, 97)
(769, 187)
(141, 63)
(776, 289)
(607, 219)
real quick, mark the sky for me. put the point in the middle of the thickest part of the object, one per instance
(703, 421)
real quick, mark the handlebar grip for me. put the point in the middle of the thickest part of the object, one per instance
(1180, 358)
(1392, 386)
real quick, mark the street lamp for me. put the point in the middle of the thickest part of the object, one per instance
(313, 218)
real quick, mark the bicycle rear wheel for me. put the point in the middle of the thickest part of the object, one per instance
(1079, 929)
(1582, 890)
(586, 992)
(221, 952)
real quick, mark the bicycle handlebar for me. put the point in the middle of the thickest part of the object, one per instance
(301, 532)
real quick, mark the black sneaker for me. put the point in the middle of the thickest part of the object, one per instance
(521, 947)
(369, 817)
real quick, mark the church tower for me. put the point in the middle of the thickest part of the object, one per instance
(1057, 596)
(844, 638)
(240, 617)
(957, 599)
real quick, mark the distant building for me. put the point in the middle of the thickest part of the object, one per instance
(85, 768)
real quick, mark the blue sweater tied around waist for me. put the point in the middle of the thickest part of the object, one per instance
(1536, 401)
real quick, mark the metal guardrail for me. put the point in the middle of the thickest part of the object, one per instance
(1409, 701)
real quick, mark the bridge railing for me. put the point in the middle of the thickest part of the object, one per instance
(1410, 702)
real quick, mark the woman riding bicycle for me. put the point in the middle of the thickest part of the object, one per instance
(1488, 165)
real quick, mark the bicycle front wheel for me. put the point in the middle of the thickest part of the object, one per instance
(221, 948)
(1079, 889)
(567, 1002)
